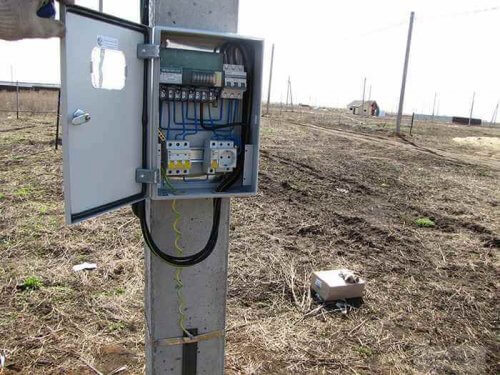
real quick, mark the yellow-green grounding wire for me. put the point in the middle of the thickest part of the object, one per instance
(178, 273)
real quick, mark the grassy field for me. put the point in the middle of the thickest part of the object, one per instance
(418, 217)
(29, 101)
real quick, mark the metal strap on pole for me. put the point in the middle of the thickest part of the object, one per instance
(189, 340)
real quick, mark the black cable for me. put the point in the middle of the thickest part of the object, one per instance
(145, 12)
(216, 127)
(188, 261)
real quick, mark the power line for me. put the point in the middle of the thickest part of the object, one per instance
(425, 19)
(378, 30)
(472, 12)
(458, 14)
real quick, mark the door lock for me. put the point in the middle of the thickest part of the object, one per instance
(80, 117)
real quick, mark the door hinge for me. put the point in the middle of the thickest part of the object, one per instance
(147, 176)
(148, 51)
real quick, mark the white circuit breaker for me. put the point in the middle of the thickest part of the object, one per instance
(178, 158)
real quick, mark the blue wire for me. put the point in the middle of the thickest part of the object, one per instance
(183, 121)
(220, 111)
(231, 116)
(210, 116)
(211, 120)
(195, 131)
(235, 117)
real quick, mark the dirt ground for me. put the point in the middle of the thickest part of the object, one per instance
(335, 191)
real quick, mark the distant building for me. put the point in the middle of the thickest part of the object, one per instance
(435, 118)
(465, 121)
(371, 108)
(24, 86)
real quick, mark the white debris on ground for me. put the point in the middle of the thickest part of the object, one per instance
(84, 267)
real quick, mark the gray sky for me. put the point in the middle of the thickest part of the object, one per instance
(327, 47)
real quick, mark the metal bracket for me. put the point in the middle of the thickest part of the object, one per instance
(148, 51)
(147, 176)
(247, 168)
(190, 340)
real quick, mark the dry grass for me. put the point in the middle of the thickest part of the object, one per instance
(29, 101)
(347, 195)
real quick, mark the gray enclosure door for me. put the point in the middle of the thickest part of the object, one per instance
(103, 87)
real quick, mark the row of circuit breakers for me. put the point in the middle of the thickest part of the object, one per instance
(191, 94)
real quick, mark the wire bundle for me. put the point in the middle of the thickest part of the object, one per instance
(186, 261)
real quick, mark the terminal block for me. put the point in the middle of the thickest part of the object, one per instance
(178, 158)
(180, 94)
(220, 157)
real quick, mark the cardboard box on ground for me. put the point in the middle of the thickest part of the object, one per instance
(337, 285)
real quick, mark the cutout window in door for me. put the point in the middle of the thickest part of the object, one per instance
(109, 69)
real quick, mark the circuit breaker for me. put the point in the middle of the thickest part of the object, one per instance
(162, 113)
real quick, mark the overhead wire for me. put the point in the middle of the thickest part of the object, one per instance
(424, 18)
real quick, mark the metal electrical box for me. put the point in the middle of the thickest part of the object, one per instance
(159, 113)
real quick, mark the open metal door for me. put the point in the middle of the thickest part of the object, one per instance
(104, 114)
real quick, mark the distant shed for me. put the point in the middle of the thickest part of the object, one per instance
(370, 108)
(465, 121)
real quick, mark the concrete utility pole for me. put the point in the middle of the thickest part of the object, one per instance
(434, 107)
(17, 99)
(270, 82)
(363, 101)
(405, 73)
(101, 6)
(472, 108)
(495, 113)
(289, 94)
(370, 94)
(205, 285)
